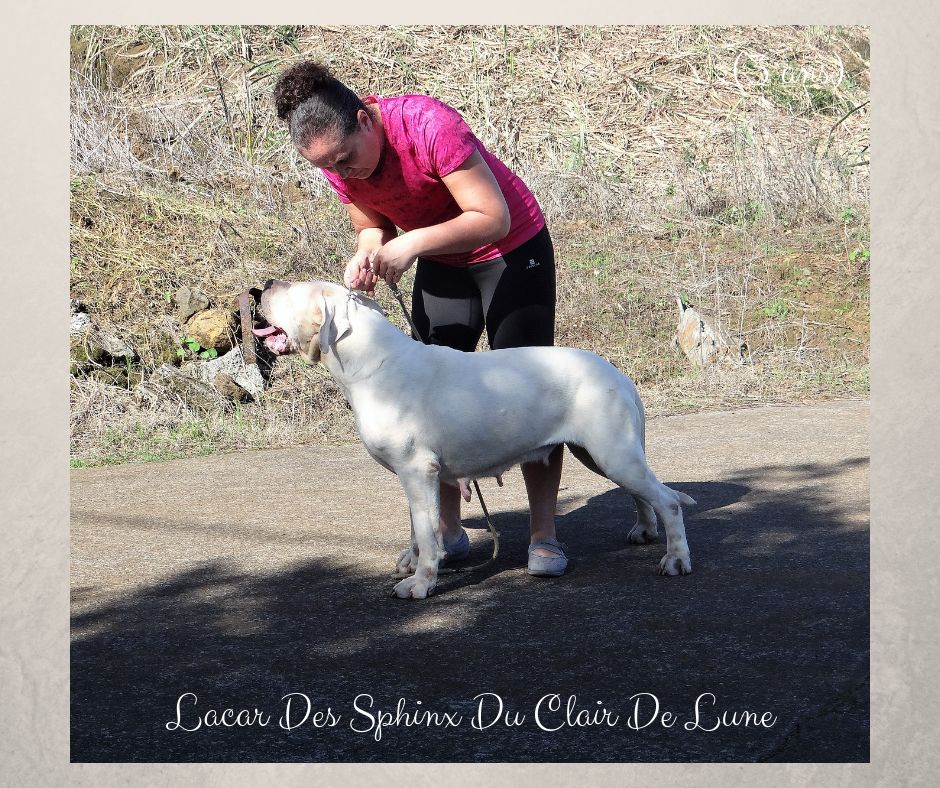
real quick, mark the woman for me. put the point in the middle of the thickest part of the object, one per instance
(484, 255)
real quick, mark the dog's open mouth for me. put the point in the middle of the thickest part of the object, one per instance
(275, 339)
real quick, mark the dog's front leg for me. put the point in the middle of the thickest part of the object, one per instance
(422, 487)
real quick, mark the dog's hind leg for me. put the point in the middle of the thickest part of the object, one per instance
(677, 560)
(645, 530)
(420, 480)
(632, 473)
(585, 458)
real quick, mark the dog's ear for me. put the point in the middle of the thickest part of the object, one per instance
(312, 353)
(335, 323)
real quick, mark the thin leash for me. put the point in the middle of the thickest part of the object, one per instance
(447, 569)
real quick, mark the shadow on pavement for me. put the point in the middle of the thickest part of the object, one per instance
(773, 619)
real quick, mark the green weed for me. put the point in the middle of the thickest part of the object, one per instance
(777, 309)
(863, 255)
(193, 346)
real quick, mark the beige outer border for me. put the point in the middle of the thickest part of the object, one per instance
(33, 451)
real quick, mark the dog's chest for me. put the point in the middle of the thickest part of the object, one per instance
(387, 431)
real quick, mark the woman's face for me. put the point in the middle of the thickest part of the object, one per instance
(353, 156)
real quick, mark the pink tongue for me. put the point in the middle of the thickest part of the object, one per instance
(263, 332)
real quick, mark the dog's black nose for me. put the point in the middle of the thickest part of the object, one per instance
(267, 284)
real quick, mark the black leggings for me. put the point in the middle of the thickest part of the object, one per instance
(513, 297)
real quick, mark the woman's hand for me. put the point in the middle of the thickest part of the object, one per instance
(359, 274)
(372, 230)
(390, 261)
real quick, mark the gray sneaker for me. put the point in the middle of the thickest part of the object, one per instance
(458, 549)
(544, 565)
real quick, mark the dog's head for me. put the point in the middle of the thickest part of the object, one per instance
(303, 317)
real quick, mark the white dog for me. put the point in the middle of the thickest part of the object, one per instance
(433, 414)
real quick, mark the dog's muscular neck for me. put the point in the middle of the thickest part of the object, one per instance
(360, 354)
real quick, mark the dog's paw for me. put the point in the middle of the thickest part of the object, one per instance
(675, 565)
(640, 534)
(407, 561)
(414, 587)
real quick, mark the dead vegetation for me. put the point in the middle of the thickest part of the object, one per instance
(725, 164)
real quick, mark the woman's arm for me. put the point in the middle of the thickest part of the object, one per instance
(485, 216)
(484, 219)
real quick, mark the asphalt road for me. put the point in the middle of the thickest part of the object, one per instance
(243, 578)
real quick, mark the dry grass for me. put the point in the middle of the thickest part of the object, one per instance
(726, 164)
(721, 116)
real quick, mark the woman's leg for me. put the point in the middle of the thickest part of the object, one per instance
(519, 301)
(541, 484)
(447, 310)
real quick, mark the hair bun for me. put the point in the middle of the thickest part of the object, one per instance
(297, 84)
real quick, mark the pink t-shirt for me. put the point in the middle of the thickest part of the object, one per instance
(426, 140)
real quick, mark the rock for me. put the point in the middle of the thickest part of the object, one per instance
(701, 343)
(88, 343)
(232, 364)
(188, 303)
(84, 353)
(79, 323)
(212, 328)
(228, 388)
(168, 382)
(116, 376)
(115, 347)
(90, 349)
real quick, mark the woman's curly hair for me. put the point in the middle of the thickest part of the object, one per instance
(312, 101)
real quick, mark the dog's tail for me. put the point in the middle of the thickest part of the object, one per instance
(682, 497)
